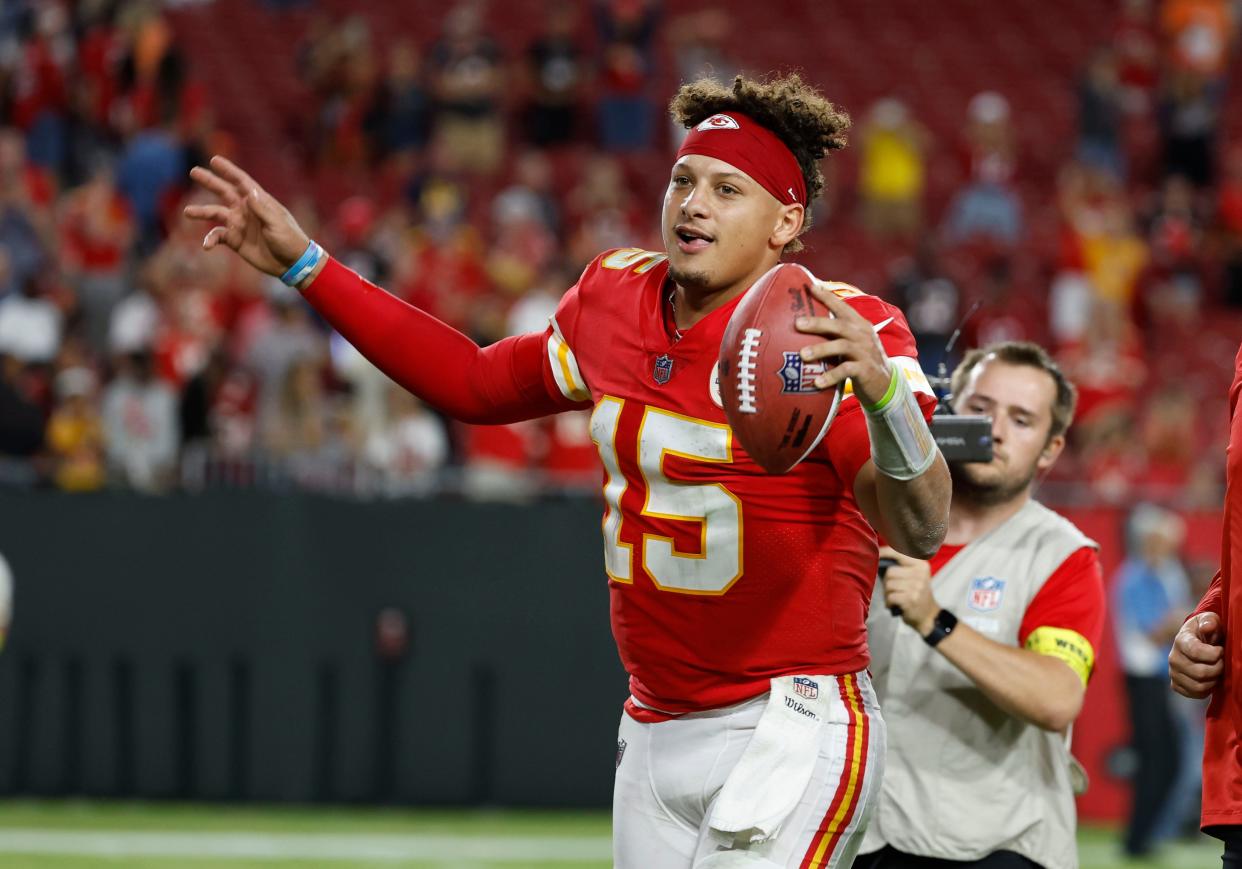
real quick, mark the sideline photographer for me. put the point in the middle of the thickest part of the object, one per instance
(984, 672)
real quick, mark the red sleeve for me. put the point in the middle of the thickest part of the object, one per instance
(848, 444)
(1072, 598)
(1212, 599)
(505, 382)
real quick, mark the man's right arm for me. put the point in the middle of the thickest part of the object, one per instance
(504, 382)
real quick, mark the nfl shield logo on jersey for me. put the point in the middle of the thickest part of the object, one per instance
(620, 751)
(799, 376)
(985, 593)
(805, 687)
(663, 368)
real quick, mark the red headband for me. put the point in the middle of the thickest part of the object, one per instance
(742, 142)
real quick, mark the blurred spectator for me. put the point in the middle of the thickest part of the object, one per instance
(1229, 212)
(297, 426)
(37, 83)
(25, 198)
(987, 206)
(135, 318)
(602, 211)
(399, 119)
(1114, 256)
(892, 171)
(1099, 116)
(1189, 115)
(1151, 600)
(287, 338)
(75, 433)
(140, 425)
(1170, 442)
(532, 195)
(21, 419)
(1198, 35)
(535, 308)
(410, 449)
(557, 78)
(218, 407)
(701, 47)
(30, 324)
(626, 107)
(1138, 55)
(930, 300)
(150, 166)
(468, 85)
(96, 232)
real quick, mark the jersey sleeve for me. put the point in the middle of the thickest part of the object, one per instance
(848, 444)
(1212, 599)
(504, 382)
(561, 373)
(1065, 619)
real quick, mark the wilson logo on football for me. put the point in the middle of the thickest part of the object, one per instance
(718, 122)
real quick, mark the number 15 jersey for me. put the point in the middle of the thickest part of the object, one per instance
(721, 576)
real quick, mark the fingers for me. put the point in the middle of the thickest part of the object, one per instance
(900, 557)
(222, 235)
(264, 207)
(218, 213)
(215, 184)
(1208, 625)
(1195, 650)
(233, 173)
(827, 326)
(826, 350)
(823, 290)
(1194, 681)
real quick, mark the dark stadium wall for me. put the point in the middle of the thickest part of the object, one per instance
(224, 646)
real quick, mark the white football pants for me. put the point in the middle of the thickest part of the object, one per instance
(669, 774)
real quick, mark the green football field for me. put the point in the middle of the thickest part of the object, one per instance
(92, 835)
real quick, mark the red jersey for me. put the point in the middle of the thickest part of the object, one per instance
(721, 576)
(1222, 750)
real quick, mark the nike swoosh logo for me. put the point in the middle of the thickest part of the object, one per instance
(880, 325)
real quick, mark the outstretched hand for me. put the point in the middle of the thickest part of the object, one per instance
(251, 221)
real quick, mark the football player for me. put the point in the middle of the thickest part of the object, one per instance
(738, 599)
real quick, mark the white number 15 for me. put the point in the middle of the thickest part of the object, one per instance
(718, 562)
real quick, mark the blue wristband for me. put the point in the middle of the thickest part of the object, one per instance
(304, 266)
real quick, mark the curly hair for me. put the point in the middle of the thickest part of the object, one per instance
(796, 112)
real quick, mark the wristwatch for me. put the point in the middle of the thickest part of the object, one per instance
(943, 626)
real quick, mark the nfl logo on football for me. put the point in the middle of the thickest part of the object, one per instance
(986, 593)
(799, 376)
(805, 687)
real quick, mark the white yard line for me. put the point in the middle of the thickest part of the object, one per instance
(306, 846)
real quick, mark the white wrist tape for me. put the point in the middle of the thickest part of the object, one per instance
(901, 443)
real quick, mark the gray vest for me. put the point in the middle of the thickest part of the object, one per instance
(962, 777)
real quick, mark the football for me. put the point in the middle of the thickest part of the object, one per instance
(768, 392)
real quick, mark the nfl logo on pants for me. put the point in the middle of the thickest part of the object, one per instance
(805, 687)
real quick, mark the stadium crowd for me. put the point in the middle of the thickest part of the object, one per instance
(476, 183)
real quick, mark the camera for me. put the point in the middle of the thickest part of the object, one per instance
(960, 437)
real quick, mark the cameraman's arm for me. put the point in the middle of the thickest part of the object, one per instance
(502, 383)
(1042, 682)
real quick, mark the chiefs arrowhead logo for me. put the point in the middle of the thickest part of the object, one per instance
(718, 122)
